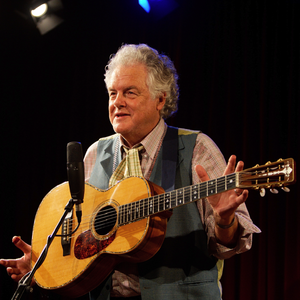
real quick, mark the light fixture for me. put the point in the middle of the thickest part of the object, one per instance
(158, 8)
(45, 14)
(40, 10)
(145, 5)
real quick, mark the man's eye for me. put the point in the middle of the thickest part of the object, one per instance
(130, 93)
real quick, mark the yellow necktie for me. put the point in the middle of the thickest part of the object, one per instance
(129, 166)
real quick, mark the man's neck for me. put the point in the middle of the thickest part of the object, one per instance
(133, 142)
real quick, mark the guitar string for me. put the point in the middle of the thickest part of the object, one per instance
(130, 214)
(157, 198)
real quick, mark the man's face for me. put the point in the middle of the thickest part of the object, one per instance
(132, 111)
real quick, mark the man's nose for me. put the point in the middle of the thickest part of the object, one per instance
(120, 101)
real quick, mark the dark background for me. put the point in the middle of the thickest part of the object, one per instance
(238, 63)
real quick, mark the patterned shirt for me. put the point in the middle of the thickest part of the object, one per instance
(206, 153)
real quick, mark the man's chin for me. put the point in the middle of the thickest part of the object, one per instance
(120, 129)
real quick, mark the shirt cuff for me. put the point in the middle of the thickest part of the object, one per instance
(246, 229)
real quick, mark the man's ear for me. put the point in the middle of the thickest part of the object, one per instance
(161, 100)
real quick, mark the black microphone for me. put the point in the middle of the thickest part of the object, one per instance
(75, 169)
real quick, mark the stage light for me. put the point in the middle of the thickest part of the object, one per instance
(145, 5)
(158, 8)
(45, 14)
(40, 10)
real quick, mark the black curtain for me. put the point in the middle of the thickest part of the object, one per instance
(238, 64)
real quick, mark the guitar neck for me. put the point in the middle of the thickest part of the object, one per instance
(270, 175)
(143, 208)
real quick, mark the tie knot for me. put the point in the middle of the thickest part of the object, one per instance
(137, 148)
(129, 166)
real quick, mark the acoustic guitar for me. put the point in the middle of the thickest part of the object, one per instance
(126, 222)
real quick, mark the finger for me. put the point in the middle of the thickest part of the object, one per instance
(19, 243)
(243, 197)
(8, 262)
(10, 271)
(230, 165)
(238, 191)
(201, 173)
(3, 262)
(239, 166)
(16, 278)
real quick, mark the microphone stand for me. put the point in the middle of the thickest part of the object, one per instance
(24, 283)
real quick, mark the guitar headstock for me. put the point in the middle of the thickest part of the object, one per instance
(270, 176)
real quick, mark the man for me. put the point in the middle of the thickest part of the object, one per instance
(143, 91)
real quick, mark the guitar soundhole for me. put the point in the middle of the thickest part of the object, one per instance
(105, 220)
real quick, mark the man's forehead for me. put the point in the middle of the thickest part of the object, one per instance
(128, 76)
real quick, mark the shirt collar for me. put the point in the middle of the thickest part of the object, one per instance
(152, 140)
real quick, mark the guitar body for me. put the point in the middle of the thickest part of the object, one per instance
(94, 253)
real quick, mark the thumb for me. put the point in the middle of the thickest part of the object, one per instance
(201, 173)
(19, 243)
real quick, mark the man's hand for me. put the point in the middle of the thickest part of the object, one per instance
(17, 268)
(225, 204)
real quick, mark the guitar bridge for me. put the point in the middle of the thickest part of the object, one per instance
(66, 229)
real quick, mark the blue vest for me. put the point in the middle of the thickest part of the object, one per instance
(182, 268)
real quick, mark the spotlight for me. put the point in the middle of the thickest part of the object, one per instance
(40, 10)
(145, 5)
(158, 8)
(45, 14)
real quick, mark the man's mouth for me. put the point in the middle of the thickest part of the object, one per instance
(120, 115)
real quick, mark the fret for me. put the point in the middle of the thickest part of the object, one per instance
(133, 217)
(180, 199)
(126, 213)
(155, 204)
(161, 203)
(145, 207)
(150, 206)
(221, 186)
(129, 211)
(140, 208)
(137, 209)
(120, 214)
(167, 201)
(186, 195)
(231, 183)
(212, 187)
(217, 185)
(195, 194)
(203, 190)
(123, 214)
(173, 199)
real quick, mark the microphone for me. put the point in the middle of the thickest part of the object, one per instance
(75, 170)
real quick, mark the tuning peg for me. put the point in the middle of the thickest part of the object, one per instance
(274, 191)
(262, 192)
(286, 189)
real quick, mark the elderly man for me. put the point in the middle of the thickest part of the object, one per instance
(143, 91)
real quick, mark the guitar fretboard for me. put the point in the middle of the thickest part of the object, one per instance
(143, 208)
